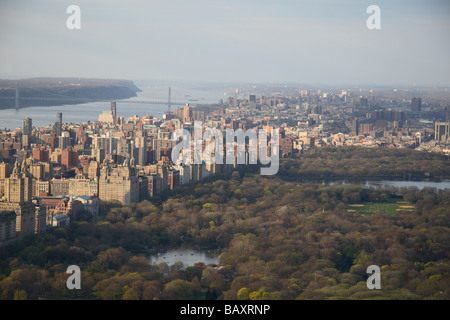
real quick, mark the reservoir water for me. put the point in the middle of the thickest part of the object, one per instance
(443, 185)
(44, 116)
(188, 255)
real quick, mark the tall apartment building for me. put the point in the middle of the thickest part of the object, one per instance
(93, 170)
(27, 126)
(58, 124)
(40, 154)
(140, 144)
(83, 187)
(107, 142)
(99, 154)
(114, 110)
(40, 219)
(5, 170)
(365, 128)
(59, 187)
(69, 158)
(26, 133)
(198, 115)
(7, 227)
(48, 170)
(154, 184)
(389, 115)
(107, 117)
(41, 188)
(18, 191)
(185, 114)
(162, 146)
(173, 178)
(56, 155)
(416, 105)
(185, 173)
(163, 173)
(441, 131)
(18, 187)
(119, 182)
(37, 171)
(355, 126)
(144, 193)
(196, 172)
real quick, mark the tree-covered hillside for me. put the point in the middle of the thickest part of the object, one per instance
(278, 240)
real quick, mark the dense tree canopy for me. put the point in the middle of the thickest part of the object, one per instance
(355, 163)
(277, 240)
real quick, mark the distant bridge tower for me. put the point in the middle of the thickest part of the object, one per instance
(17, 96)
(169, 101)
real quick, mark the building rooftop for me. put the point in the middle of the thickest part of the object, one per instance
(7, 214)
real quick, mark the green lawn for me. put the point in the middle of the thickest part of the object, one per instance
(374, 208)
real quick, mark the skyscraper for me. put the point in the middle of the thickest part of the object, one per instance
(363, 101)
(187, 113)
(141, 145)
(441, 131)
(355, 126)
(416, 105)
(69, 158)
(27, 126)
(26, 131)
(58, 124)
(113, 110)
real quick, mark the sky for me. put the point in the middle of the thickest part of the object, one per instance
(251, 41)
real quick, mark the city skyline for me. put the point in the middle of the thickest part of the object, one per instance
(251, 151)
(320, 42)
(359, 184)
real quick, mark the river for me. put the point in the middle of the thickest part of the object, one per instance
(43, 116)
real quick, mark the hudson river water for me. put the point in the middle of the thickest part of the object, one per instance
(43, 116)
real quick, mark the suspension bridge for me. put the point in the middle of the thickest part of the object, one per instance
(51, 96)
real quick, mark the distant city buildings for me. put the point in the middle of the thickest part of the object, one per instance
(18, 198)
(58, 124)
(50, 176)
(119, 182)
(416, 105)
(26, 131)
(442, 131)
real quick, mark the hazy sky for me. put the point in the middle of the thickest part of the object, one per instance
(315, 41)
